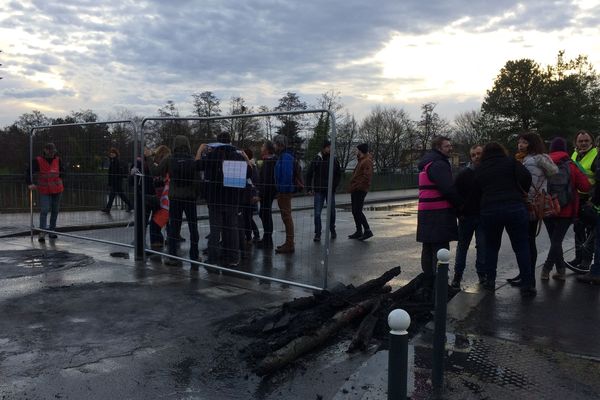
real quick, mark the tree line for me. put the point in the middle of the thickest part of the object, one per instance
(555, 100)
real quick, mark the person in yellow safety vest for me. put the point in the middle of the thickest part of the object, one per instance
(585, 156)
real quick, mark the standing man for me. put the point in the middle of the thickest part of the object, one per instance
(317, 179)
(267, 191)
(469, 219)
(436, 218)
(183, 192)
(360, 183)
(50, 170)
(115, 181)
(223, 201)
(584, 156)
(284, 180)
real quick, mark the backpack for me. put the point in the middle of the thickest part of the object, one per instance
(559, 184)
(183, 171)
(297, 177)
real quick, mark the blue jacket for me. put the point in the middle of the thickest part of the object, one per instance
(284, 173)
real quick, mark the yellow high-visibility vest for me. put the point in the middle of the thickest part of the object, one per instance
(586, 163)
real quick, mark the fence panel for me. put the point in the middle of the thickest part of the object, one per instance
(225, 208)
(95, 159)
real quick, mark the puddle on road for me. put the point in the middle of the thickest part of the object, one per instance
(396, 210)
(18, 263)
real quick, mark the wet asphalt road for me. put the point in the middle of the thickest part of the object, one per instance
(114, 329)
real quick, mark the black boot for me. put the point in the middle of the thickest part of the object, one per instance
(355, 235)
(456, 280)
(265, 243)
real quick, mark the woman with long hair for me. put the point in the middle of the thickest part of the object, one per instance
(540, 166)
(501, 180)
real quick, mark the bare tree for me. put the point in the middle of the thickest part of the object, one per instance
(471, 127)
(243, 131)
(267, 121)
(390, 134)
(430, 125)
(206, 104)
(347, 132)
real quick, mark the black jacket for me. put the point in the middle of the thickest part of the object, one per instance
(439, 226)
(266, 178)
(501, 179)
(468, 190)
(116, 172)
(317, 175)
(212, 165)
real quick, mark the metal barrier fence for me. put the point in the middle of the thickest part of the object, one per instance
(83, 150)
(307, 267)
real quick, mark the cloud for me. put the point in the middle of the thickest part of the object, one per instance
(127, 52)
(39, 93)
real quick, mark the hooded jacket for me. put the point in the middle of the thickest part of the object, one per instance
(501, 180)
(438, 226)
(181, 150)
(362, 175)
(579, 182)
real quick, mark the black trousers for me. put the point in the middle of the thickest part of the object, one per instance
(176, 209)
(358, 201)
(265, 214)
(429, 257)
(557, 229)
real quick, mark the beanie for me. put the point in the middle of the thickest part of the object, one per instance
(326, 143)
(363, 147)
(558, 144)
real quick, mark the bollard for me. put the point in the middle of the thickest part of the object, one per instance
(139, 224)
(439, 331)
(399, 321)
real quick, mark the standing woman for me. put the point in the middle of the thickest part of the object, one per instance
(540, 166)
(359, 186)
(50, 170)
(501, 180)
(116, 174)
(558, 225)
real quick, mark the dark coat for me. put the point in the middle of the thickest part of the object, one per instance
(212, 164)
(116, 173)
(439, 226)
(501, 179)
(266, 178)
(317, 175)
(468, 191)
(181, 150)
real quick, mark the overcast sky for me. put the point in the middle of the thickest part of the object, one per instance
(66, 55)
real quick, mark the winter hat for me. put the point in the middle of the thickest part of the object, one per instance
(558, 144)
(363, 147)
(224, 137)
(326, 143)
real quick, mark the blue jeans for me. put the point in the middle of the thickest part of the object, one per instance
(514, 217)
(49, 203)
(320, 198)
(467, 226)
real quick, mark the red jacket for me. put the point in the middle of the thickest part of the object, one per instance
(579, 182)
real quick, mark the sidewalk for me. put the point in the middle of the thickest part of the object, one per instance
(500, 346)
(18, 224)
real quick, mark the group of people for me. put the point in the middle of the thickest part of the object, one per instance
(497, 192)
(235, 188)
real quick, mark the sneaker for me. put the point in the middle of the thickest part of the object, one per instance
(481, 277)
(545, 274)
(574, 263)
(317, 237)
(456, 281)
(560, 275)
(355, 235)
(365, 236)
(264, 244)
(105, 210)
(333, 234)
(515, 279)
(489, 285)
(594, 279)
(41, 237)
(52, 235)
